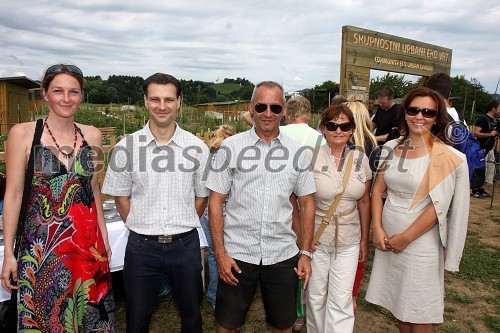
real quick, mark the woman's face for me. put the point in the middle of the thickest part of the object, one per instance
(335, 135)
(63, 95)
(421, 122)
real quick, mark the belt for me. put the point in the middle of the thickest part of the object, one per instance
(167, 239)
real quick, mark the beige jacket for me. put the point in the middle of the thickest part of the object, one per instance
(448, 185)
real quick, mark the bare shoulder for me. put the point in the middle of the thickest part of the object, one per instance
(91, 134)
(22, 132)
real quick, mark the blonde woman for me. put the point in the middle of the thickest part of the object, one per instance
(363, 135)
(222, 132)
(364, 139)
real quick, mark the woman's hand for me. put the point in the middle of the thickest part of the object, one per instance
(363, 251)
(397, 243)
(9, 273)
(379, 238)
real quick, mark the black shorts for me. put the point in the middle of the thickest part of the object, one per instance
(278, 284)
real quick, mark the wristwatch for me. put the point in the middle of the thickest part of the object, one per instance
(306, 253)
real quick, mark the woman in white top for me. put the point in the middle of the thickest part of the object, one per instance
(345, 239)
(426, 210)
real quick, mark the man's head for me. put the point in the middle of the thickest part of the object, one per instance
(440, 82)
(162, 98)
(267, 102)
(386, 97)
(298, 110)
(493, 108)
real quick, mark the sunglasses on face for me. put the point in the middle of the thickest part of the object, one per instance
(275, 108)
(61, 68)
(332, 127)
(427, 113)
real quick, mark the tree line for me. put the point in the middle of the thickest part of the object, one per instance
(124, 89)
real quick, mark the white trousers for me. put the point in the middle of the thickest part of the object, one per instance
(490, 166)
(329, 294)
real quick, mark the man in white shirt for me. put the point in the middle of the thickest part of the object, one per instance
(255, 243)
(156, 176)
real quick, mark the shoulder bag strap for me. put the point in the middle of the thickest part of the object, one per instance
(336, 201)
(28, 179)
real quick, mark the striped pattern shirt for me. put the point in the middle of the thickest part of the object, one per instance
(161, 181)
(260, 179)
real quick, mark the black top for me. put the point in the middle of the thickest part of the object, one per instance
(486, 123)
(386, 120)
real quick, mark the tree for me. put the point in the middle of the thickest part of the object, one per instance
(398, 83)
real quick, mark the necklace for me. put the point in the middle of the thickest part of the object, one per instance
(66, 155)
(407, 144)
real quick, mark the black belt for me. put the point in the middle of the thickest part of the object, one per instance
(166, 239)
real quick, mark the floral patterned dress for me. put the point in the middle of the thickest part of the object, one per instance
(63, 272)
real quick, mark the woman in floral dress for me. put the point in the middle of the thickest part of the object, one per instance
(61, 268)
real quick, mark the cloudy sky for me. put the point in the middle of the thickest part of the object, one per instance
(296, 43)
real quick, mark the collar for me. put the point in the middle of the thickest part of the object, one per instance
(255, 138)
(177, 138)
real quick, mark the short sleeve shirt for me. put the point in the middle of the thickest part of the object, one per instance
(161, 181)
(486, 123)
(260, 179)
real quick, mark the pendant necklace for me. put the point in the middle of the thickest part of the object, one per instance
(407, 143)
(66, 155)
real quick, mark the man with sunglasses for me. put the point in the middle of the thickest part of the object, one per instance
(385, 119)
(255, 243)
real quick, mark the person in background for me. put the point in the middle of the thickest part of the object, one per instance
(62, 220)
(364, 139)
(371, 105)
(157, 178)
(344, 241)
(385, 118)
(255, 243)
(441, 82)
(338, 99)
(221, 133)
(486, 133)
(426, 211)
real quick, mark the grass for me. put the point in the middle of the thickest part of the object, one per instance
(492, 322)
(225, 88)
(480, 262)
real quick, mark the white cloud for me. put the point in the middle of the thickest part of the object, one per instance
(258, 40)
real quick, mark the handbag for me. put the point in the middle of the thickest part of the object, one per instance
(335, 203)
(11, 312)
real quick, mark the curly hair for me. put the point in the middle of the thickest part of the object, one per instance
(222, 132)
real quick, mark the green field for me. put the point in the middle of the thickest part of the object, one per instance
(225, 88)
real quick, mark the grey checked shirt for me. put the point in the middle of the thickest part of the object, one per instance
(161, 181)
(260, 179)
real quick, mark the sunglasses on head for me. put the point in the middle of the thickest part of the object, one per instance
(332, 127)
(427, 113)
(275, 108)
(61, 68)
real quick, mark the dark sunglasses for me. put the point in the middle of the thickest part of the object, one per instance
(61, 68)
(275, 108)
(332, 127)
(427, 113)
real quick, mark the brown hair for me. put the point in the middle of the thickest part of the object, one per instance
(333, 112)
(61, 69)
(442, 120)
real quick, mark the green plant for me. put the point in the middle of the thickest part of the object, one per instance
(492, 322)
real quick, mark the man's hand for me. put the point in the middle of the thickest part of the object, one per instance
(226, 264)
(303, 270)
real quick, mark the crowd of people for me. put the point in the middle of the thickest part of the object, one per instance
(279, 203)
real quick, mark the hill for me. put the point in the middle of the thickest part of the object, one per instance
(225, 88)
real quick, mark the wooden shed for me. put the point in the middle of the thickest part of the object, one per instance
(14, 101)
(231, 110)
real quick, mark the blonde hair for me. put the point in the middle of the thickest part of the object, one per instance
(298, 107)
(363, 131)
(222, 132)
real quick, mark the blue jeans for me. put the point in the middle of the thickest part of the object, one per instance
(147, 265)
(212, 263)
